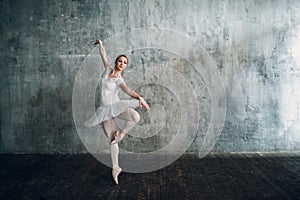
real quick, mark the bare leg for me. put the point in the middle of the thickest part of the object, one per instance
(109, 127)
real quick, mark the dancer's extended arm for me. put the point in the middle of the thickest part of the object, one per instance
(133, 94)
(102, 53)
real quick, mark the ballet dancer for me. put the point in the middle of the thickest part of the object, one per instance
(112, 107)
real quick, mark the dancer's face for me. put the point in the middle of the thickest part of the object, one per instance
(121, 63)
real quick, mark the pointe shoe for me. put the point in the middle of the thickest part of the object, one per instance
(116, 137)
(115, 174)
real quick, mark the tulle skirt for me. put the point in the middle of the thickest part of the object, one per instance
(106, 112)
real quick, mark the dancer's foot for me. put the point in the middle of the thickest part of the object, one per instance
(116, 137)
(115, 174)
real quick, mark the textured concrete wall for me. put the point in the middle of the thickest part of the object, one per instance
(255, 45)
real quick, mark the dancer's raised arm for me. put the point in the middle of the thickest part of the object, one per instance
(102, 53)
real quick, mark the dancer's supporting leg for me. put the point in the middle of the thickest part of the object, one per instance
(109, 127)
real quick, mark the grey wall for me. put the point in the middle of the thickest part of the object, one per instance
(255, 45)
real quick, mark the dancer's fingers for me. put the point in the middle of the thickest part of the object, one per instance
(147, 107)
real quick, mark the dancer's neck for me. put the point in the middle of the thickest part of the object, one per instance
(115, 73)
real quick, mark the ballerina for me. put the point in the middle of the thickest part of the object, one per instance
(112, 107)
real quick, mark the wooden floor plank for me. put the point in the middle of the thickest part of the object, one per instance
(285, 161)
(217, 176)
(242, 177)
(256, 183)
(269, 175)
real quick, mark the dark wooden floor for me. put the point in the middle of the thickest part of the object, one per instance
(229, 176)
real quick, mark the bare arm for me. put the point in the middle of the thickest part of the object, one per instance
(102, 53)
(133, 94)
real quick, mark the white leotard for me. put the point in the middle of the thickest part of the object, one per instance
(111, 106)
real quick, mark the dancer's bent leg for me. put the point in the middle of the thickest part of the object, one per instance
(131, 117)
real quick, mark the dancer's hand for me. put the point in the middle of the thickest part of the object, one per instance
(143, 103)
(98, 42)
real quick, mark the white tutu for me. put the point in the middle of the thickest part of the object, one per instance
(106, 112)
